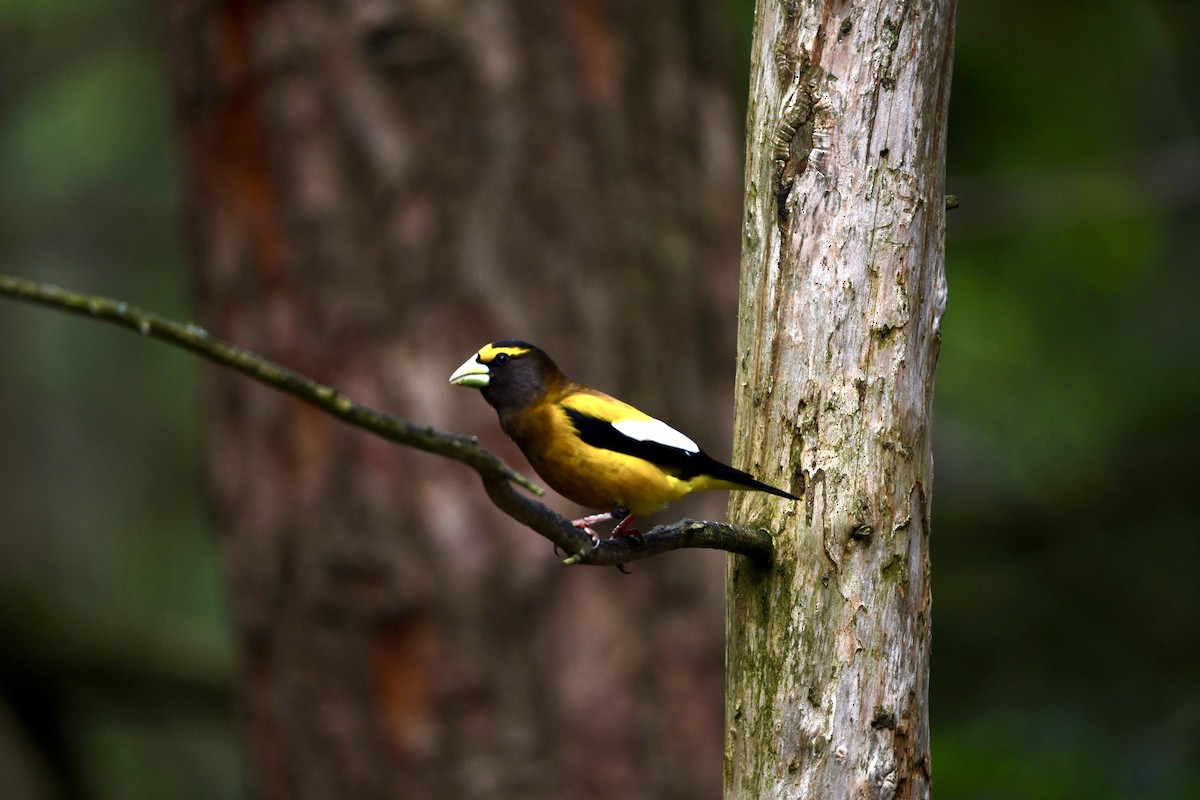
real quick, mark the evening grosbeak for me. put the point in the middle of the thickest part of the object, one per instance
(591, 448)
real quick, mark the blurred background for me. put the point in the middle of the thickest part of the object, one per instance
(1065, 547)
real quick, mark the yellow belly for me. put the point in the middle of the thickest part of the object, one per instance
(603, 480)
(594, 477)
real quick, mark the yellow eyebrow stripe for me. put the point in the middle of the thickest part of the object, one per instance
(490, 351)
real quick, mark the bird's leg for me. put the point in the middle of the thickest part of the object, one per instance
(585, 524)
(622, 528)
(591, 519)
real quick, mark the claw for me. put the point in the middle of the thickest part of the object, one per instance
(624, 571)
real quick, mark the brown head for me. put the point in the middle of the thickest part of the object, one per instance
(511, 374)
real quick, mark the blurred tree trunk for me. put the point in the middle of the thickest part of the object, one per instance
(375, 190)
(843, 290)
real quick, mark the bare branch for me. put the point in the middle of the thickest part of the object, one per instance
(498, 477)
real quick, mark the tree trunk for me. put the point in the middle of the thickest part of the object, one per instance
(376, 190)
(842, 290)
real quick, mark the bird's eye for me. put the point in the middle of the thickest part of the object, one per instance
(500, 360)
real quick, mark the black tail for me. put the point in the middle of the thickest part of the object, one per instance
(724, 472)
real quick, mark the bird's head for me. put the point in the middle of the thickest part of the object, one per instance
(510, 373)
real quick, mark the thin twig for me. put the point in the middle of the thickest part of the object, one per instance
(498, 477)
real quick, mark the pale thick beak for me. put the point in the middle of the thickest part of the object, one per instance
(471, 373)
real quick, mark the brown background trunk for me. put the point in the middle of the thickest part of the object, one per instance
(375, 190)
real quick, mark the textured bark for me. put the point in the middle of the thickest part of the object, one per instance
(843, 290)
(375, 190)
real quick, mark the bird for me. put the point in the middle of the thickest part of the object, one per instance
(591, 448)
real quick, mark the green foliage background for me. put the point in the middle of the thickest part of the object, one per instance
(1067, 607)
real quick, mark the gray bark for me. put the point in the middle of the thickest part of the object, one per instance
(843, 290)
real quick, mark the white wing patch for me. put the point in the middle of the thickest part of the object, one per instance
(653, 430)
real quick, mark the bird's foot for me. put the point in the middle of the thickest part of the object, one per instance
(591, 519)
(585, 524)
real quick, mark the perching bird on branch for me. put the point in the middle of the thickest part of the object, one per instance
(592, 448)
